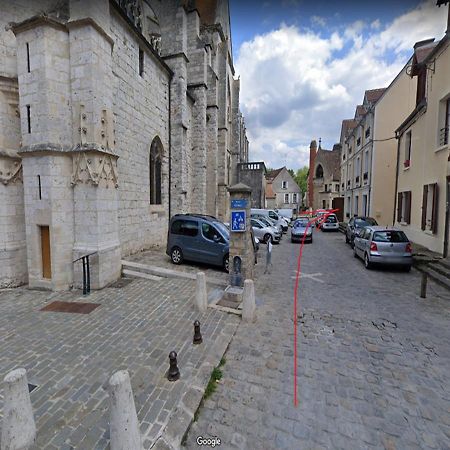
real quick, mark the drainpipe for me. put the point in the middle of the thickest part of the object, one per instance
(447, 215)
(170, 148)
(396, 177)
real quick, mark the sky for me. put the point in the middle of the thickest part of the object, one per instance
(304, 65)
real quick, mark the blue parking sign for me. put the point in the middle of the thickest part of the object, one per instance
(238, 219)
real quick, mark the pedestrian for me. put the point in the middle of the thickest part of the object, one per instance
(268, 256)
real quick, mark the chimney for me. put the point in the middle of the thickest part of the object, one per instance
(312, 159)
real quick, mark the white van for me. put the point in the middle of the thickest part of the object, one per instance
(287, 213)
(273, 215)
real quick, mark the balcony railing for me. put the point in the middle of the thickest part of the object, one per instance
(443, 136)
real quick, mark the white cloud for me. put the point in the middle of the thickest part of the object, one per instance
(297, 85)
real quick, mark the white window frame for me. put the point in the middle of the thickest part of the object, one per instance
(286, 196)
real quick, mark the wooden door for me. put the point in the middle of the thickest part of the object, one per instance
(45, 250)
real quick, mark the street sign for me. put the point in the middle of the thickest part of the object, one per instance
(238, 220)
(240, 203)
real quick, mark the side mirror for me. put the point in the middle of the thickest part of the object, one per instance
(216, 238)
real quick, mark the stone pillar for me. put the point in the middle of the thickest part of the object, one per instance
(123, 425)
(241, 245)
(19, 428)
(201, 294)
(249, 302)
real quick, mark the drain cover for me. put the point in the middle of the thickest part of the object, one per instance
(71, 307)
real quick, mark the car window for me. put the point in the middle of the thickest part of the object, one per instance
(210, 232)
(300, 223)
(351, 222)
(184, 227)
(364, 233)
(331, 219)
(256, 224)
(223, 229)
(272, 215)
(365, 222)
(390, 236)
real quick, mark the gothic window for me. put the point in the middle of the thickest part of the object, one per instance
(155, 164)
(319, 171)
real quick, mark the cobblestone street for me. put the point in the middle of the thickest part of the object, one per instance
(374, 360)
(70, 357)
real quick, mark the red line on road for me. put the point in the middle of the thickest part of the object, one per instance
(297, 279)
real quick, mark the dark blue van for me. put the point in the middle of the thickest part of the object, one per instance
(198, 238)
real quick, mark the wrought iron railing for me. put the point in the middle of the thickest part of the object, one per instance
(86, 272)
(443, 136)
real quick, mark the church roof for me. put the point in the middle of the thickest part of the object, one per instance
(330, 161)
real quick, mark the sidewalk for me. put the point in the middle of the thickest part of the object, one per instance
(70, 357)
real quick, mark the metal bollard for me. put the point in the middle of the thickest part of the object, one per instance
(197, 335)
(174, 372)
(423, 285)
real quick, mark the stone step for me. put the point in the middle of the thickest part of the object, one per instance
(135, 274)
(436, 276)
(441, 269)
(165, 273)
(444, 263)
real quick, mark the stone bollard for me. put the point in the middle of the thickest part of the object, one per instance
(19, 429)
(198, 339)
(201, 296)
(248, 302)
(123, 426)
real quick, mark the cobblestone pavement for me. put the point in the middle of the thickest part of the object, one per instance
(71, 357)
(374, 360)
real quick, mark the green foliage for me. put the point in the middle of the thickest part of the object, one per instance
(301, 178)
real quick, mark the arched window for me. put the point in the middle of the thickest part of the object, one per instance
(155, 163)
(319, 171)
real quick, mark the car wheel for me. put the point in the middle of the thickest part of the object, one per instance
(176, 255)
(226, 263)
(367, 263)
(268, 238)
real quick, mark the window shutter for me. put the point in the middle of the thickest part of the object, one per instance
(408, 207)
(424, 206)
(399, 206)
(434, 211)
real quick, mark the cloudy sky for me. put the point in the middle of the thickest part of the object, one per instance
(305, 64)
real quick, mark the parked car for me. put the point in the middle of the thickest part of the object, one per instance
(268, 221)
(356, 223)
(286, 213)
(254, 237)
(272, 215)
(300, 228)
(265, 233)
(198, 238)
(379, 245)
(320, 215)
(330, 223)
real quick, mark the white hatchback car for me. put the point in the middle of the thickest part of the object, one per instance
(330, 223)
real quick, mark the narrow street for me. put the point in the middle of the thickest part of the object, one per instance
(373, 360)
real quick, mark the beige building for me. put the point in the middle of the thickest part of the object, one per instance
(369, 156)
(423, 182)
(282, 191)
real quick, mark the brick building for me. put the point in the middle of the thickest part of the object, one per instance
(114, 115)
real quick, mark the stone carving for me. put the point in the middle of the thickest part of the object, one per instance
(95, 168)
(133, 10)
(10, 170)
(155, 41)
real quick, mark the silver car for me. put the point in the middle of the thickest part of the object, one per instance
(300, 228)
(268, 221)
(379, 245)
(265, 233)
(330, 223)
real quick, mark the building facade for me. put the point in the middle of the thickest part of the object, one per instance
(324, 176)
(253, 174)
(423, 176)
(282, 191)
(115, 115)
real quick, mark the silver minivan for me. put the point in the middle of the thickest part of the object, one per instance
(380, 245)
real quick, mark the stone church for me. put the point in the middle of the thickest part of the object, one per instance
(114, 116)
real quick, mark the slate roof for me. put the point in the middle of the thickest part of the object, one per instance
(273, 173)
(330, 161)
(373, 95)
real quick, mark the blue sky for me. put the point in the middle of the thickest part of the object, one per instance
(304, 65)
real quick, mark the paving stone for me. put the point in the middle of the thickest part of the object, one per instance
(359, 387)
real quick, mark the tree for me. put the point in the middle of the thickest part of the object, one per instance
(301, 178)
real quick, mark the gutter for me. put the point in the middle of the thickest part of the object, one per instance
(397, 136)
